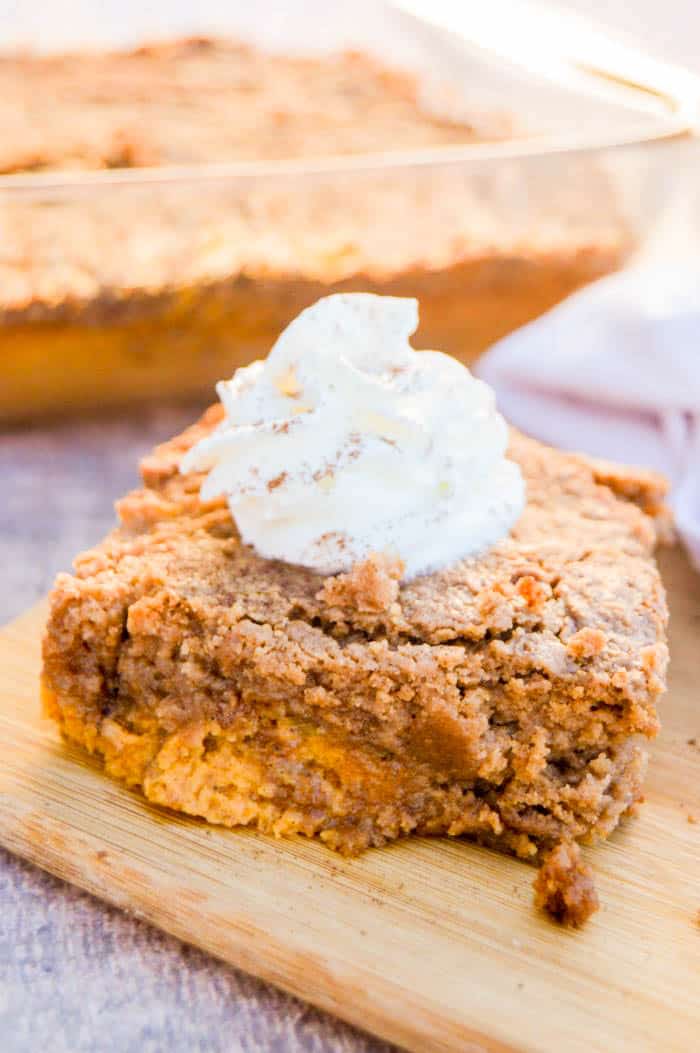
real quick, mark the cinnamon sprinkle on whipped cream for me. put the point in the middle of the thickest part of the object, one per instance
(346, 441)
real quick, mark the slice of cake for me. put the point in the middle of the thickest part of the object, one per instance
(504, 696)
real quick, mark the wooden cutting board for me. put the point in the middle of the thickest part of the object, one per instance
(431, 943)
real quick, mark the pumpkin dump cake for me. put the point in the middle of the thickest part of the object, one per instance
(109, 295)
(504, 696)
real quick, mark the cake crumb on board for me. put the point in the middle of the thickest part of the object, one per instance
(564, 886)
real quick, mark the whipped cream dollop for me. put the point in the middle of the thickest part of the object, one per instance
(347, 441)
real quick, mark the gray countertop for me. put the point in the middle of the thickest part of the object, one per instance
(76, 975)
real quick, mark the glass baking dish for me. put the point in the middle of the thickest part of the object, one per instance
(128, 284)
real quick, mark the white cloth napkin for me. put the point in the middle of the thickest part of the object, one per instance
(614, 371)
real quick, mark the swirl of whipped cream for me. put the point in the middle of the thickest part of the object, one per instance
(347, 441)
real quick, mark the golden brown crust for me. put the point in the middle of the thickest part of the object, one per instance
(192, 102)
(645, 488)
(203, 99)
(372, 586)
(59, 319)
(184, 251)
(501, 697)
(227, 269)
(250, 259)
(564, 886)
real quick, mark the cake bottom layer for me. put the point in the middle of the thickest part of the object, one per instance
(293, 777)
(177, 345)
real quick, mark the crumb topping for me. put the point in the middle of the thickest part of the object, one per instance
(181, 250)
(372, 586)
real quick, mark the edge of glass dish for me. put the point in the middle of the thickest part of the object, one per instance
(578, 53)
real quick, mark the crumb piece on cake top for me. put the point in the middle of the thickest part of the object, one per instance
(372, 585)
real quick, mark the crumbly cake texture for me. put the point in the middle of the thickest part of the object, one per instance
(504, 698)
(564, 886)
(204, 281)
(204, 99)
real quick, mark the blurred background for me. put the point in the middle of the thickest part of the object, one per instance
(177, 182)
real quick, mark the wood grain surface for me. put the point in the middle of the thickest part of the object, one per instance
(431, 944)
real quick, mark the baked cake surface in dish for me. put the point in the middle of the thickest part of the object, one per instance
(204, 99)
(506, 698)
(107, 296)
